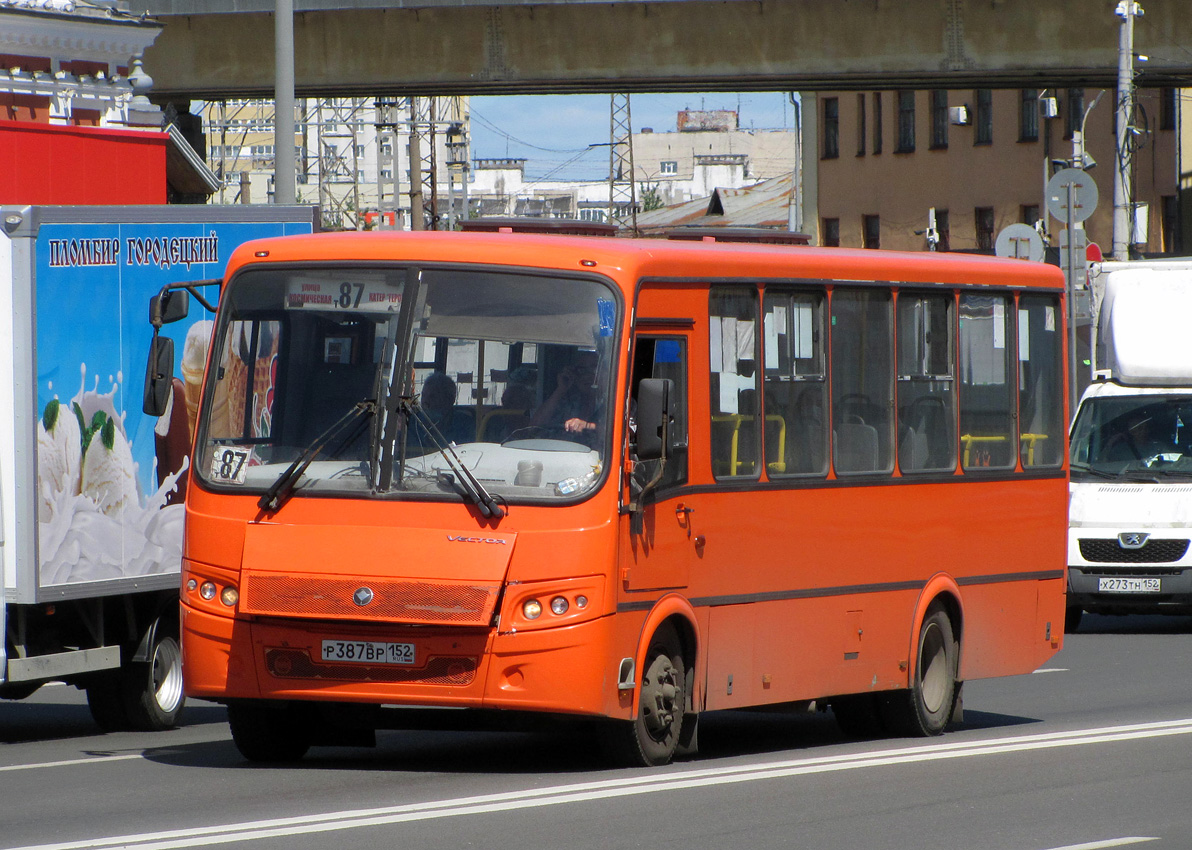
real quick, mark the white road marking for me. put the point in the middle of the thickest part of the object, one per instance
(1109, 842)
(70, 762)
(1052, 670)
(644, 783)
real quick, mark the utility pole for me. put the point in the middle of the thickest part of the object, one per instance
(1127, 10)
(283, 98)
(622, 187)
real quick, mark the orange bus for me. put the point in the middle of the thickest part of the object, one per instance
(630, 480)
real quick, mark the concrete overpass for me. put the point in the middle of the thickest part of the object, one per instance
(224, 48)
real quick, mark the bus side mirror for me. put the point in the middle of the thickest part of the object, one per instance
(653, 418)
(169, 305)
(159, 375)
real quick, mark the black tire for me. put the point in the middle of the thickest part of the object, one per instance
(266, 732)
(105, 699)
(925, 709)
(153, 689)
(1073, 614)
(858, 716)
(650, 739)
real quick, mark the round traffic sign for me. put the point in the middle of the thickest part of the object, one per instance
(1020, 242)
(1084, 195)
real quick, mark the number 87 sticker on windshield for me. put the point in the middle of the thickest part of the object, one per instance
(230, 465)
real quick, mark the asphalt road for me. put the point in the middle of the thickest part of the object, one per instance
(1092, 751)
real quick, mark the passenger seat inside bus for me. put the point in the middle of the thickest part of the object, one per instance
(855, 447)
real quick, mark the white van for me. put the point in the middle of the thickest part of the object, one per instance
(1130, 504)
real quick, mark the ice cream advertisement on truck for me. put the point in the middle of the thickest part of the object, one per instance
(109, 477)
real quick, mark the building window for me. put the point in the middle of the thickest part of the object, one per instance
(386, 173)
(668, 166)
(830, 228)
(1075, 114)
(984, 117)
(1028, 116)
(871, 226)
(984, 216)
(877, 122)
(831, 127)
(906, 122)
(1030, 214)
(943, 231)
(860, 125)
(1167, 108)
(939, 119)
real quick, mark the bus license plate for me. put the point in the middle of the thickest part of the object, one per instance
(1128, 585)
(368, 652)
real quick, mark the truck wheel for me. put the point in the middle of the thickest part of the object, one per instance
(1072, 617)
(153, 690)
(270, 733)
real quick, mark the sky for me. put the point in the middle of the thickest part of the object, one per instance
(553, 132)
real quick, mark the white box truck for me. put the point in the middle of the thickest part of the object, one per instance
(1130, 505)
(90, 486)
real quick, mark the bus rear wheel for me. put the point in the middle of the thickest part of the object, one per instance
(269, 732)
(651, 738)
(926, 707)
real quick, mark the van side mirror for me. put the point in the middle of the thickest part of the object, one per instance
(654, 418)
(169, 305)
(159, 376)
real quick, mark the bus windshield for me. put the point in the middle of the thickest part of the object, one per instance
(407, 382)
(1147, 435)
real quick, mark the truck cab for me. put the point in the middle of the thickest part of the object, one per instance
(1130, 503)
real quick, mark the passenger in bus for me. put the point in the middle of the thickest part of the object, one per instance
(574, 406)
(438, 404)
(514, 413)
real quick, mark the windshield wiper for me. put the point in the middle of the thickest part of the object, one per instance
(468, 483)
(399, 394)
(283, 487)
(1100, 473)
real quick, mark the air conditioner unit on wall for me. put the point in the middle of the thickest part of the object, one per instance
(958, 115)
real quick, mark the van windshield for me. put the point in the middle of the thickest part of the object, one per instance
(404, 382)
(1145, 435)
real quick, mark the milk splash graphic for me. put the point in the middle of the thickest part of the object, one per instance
(93, 522)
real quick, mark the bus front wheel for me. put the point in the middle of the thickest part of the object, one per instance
(650, 739)
(926, 707)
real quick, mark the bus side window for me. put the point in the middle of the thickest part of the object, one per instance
(666, 357)
(862, 380)
(926, 389)
(987, 403)
(796, 434)
(732, 349)
(1040, 397)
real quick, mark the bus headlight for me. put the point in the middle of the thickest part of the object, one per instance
(558, 606)
(229, 596)
(207, 590)
(531, 609)
(550, 604)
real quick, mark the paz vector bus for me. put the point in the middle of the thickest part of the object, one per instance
(625, 480)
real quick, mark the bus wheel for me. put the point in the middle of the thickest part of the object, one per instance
(926, 707)
(650, 739)
(153, 690)
(269, 732)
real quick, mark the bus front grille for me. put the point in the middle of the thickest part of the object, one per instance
(438, 670)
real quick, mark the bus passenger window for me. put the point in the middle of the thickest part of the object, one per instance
(734, 378)
(862, 381)
(796, 434)
(926, 397)
(1040, 394)
(987, 404)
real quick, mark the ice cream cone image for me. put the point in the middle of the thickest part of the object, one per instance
(194, 360)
